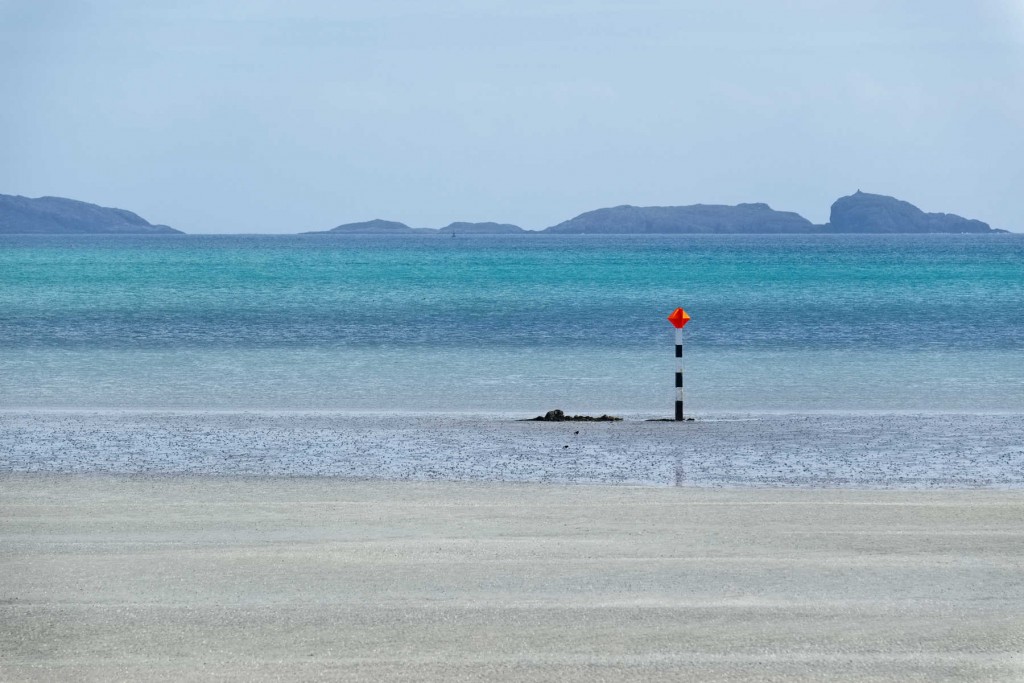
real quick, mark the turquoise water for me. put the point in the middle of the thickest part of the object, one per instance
(521, 323)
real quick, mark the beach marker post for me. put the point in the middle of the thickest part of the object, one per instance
(679, 318)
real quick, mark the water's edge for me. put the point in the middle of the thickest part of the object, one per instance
(851, 450)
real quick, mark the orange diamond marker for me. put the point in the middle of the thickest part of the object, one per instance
(679, 318)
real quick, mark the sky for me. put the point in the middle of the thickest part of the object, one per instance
(263, 117)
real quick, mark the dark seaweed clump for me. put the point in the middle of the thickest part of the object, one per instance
(559, 416)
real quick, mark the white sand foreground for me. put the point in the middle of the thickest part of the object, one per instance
(178, 577)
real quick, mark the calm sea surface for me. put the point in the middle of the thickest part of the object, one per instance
(512, 323)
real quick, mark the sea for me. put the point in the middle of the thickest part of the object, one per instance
(513, 324)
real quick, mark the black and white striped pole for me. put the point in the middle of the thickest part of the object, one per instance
(679, 318)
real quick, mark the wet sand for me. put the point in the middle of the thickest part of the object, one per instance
(851, 450)
(179, 577)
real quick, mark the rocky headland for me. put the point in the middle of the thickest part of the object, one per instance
(876, 213)
(59, 216)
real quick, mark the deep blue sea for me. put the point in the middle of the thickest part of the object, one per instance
(519, 323)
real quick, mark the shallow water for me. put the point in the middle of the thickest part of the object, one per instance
(512, 323)
(903, 451)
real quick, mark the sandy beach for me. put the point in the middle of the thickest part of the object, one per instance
(189, 577)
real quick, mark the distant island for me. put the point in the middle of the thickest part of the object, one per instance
(59, 216)
(860, 212)
(482, 228)
(382, 227)
(679, 220)
(863, 212)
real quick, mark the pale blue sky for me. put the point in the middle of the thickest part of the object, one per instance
(283, 117)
